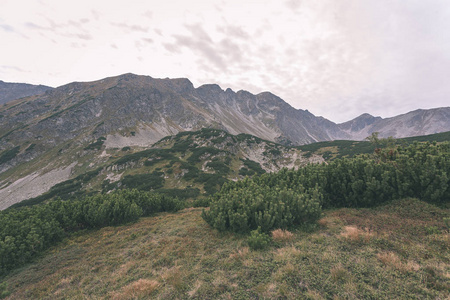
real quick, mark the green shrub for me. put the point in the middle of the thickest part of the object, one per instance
(201, 202)
(251, 206)
(258, 240)
(9, 154)
(432, 230)
(447, 222)
(146, 182)
(252, 167)
(4, 292)
(97, 145)
(197, 153)
(219, 167)
(27, 231)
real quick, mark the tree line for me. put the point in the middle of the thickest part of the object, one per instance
(292, 197)
(27, 231)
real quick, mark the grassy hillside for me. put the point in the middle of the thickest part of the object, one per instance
(396, 251)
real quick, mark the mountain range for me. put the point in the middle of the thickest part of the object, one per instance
(11, 91)
(52, 129)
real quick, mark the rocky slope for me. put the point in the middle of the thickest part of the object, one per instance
(61, 127)
(11, 91)
(414, 123)
(186, 165)
(131, 110)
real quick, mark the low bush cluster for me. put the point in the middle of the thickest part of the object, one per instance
(264, 207)
(27, 231)
(291, 197)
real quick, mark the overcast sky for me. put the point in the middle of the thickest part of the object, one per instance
(336, 58)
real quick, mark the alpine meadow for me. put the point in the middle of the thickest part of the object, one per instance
(294, 149)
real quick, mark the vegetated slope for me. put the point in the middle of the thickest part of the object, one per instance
(186, 165)
(331, 150)
(372, 235)
(151, 108)
(50, 134)
(11, 91)
(394, 251)
(54, 137)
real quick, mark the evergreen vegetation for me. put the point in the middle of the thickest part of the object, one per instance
(9, 154)
(292, 197)
(251, 206)
(27, 231)
(97, 145)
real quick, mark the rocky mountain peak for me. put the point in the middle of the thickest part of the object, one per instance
(359, 122)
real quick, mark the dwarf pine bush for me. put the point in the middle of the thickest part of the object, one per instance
(250, 206)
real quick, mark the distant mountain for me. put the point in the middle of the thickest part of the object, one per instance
(414, 123)
(151, 109)
(11, 91)
(359, 123)
(186, 165)
(50, 137)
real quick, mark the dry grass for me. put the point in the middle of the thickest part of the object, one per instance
(282, 236)
(174, 277)
(354, 234)
(191, 293)
(240, 254)
(178, 256)
(286, 254)
(140, 289)
(392, 260)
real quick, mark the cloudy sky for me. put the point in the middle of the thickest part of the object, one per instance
(336, 58)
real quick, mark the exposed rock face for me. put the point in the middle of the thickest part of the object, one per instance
(132, 110)
(160, 107)
(11, 91)
(84, 111)
(31, 186)
(53, 128)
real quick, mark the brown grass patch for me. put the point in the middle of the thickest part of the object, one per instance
(286, 253)
(354, 234)
(324, 222)
(138, 289)
(282, 236)
(195, 288)
(175, 277)
(240, 254)
(392, 260)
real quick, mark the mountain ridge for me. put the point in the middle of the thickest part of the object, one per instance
(51, 131)
(12, 90)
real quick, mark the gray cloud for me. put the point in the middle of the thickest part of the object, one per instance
(203, 47)
(70, 29)
(128, 27)
(335, 58)
(7, 28)
(148, 40)
(31, 25)
(171, 47)
(233, 31)
(200, 43)
(293, 4)
(148, 14)
(6, 67)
